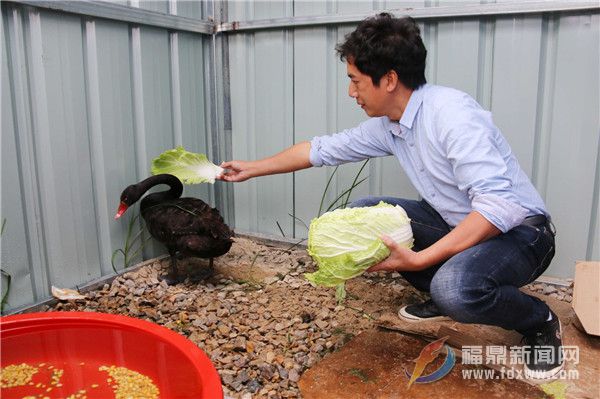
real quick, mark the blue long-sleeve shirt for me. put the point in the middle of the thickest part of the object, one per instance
(454, 155)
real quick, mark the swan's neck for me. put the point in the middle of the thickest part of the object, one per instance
(175, 190)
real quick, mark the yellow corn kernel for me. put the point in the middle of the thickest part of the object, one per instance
(16, 375)
(131, 384)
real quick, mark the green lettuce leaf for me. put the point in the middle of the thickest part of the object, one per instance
(189, 167)
(344, 243)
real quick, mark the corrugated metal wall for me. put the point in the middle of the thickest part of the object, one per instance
(87, 103)
(538, 74)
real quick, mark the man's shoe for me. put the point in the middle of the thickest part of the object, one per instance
(543, 351)
(425, 311)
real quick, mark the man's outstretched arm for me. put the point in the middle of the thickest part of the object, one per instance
(291, 159)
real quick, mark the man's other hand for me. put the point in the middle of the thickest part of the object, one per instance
(400, 259)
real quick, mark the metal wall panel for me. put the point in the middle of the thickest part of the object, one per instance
(537, 73)
(87, 103)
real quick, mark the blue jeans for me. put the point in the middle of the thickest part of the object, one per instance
(480, 284)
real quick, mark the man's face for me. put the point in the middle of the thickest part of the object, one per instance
(371, 98)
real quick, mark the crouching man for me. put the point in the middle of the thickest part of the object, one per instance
(481, 229)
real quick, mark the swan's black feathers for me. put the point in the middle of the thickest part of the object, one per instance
(185, 225)
(190, 226)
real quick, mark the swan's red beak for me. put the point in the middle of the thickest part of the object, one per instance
(122, 208)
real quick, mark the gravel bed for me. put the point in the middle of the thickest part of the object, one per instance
(262, 326)
(560, 292)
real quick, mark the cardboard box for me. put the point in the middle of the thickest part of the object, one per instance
(586, 295)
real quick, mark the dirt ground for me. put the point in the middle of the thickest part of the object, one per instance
(259, 320)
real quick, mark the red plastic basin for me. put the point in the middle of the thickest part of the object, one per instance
(80, 342)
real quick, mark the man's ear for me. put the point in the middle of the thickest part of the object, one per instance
(391, 79)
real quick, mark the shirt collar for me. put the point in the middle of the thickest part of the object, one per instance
(414, 103)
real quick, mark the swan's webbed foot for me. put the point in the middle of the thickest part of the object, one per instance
(202, 273)
(173, 277)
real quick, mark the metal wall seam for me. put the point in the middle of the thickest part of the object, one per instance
(17, 66)
(332, 104)
(289, 109)
(222, 151)
(210, 107)
(175, 81)
(227, 140)
(96, 148)
(485, 62)
(593, 247)
(40, 141)
(139, 124)
(175, 89)
(545, 104)
(136, 15)
(252, 134)
(436, 12)
(221, 145)
(117, 12)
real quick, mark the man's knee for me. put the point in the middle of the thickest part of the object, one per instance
(461, 296)
(363, 202)
(374, 200)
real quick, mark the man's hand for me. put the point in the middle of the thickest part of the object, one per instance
(400, 259)
(236, 171)
(292, 159)
(471, 231)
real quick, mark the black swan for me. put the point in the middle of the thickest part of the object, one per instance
(187, 226)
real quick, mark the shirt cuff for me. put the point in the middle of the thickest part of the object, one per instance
(502, 213)
(314, 156)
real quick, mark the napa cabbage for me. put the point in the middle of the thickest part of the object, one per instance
(189, 167)
(346, 242)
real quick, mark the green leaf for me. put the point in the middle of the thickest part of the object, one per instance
(4, 300)
(354, 184)
(325, 191)
(189, 167)
(280, 229)
(114, 255)
(348, 191)
(340, 293)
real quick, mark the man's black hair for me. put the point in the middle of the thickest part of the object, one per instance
(382, 43)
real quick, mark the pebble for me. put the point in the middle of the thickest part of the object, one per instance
(549, 290)
(560, 292)
(293, 375)
(262, 340)
(322, 324)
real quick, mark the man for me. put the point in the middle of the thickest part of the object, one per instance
(481, 230)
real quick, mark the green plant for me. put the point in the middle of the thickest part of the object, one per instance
(346, 336)
(344, 197)
(359, 373)
(6, 275)
(4, 300)
(128, 251)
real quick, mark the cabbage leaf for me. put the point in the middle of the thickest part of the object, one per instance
(189, 167)
(346, 242)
